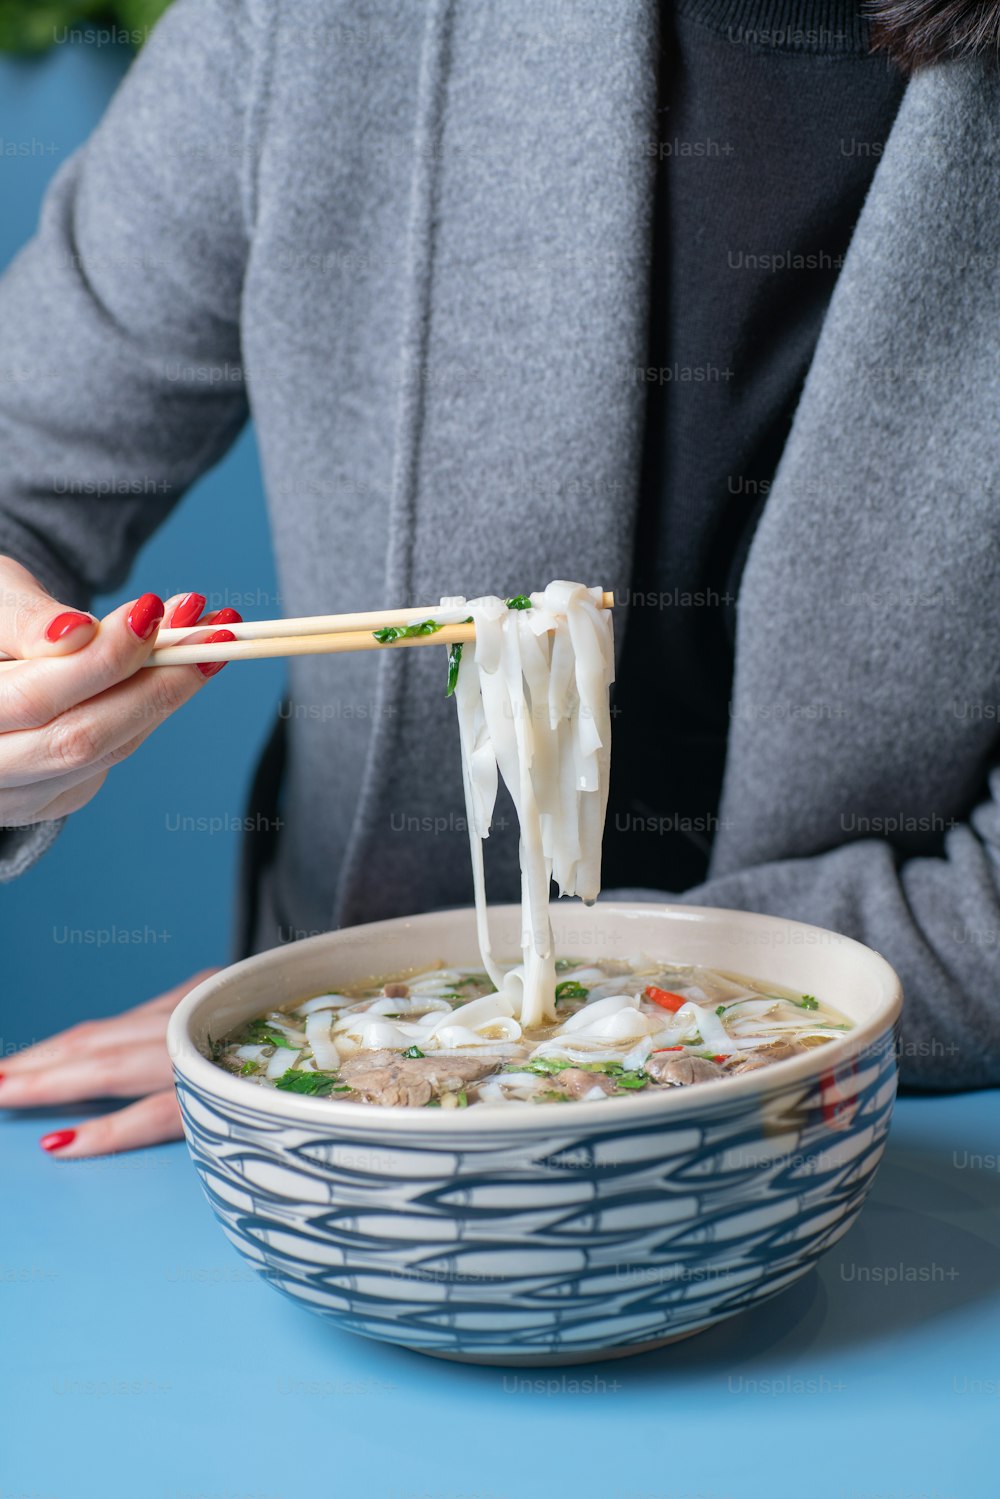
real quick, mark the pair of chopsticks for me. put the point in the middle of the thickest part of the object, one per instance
(315, 635)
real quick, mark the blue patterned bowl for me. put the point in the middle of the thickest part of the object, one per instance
(546, 1235)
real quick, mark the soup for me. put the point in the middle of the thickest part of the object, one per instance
(448, 1038)
(533, 707)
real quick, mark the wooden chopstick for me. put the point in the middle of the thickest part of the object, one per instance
(313, 624)
(312, 635)
(330, 643)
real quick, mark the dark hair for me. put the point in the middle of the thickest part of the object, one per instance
(915, 33)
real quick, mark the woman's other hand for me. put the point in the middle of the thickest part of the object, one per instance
(124, 1056)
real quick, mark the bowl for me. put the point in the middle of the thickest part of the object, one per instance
(546, 1235)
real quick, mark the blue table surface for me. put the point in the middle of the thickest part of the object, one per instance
(142, 1357)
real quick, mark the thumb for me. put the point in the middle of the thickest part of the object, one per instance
(32, 622)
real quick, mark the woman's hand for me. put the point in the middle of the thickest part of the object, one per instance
(122, 1057)
(75, 702)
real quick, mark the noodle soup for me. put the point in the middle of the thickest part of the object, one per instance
(533, 710)
(448, 1038)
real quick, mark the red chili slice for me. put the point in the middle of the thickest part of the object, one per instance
(665, 1048)
(664, 998)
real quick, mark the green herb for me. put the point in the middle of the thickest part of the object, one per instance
(563, 965)
(570, 989)
(519, 601)
(546, 1066)
(454, 662)
(248, 1069)
(720, 1010)
(463, 1099)
(809, 1002)
(631, 1080)
(259, 1033)
(412, 1053)
(433, 1103)
(316, 1084)
(481, 979)
(550, 1093)
(406, 632)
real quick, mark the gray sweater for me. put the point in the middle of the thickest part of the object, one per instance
(414, 240)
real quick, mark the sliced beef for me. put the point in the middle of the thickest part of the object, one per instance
(763, 1056)
(679, 1071)
(384, 1077)
(396, 991)
(575, 1082)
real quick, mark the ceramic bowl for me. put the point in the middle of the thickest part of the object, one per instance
(546, 1234)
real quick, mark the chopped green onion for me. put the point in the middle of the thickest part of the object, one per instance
(259, 1033)
(546, 1066)
(406, 632)
(454, 662)
(570, 989)
(412, 1053)
(248, 1069)
(519, 601)
(631, 1080)
(809, 1002)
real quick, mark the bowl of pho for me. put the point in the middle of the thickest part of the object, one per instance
(552, 1132)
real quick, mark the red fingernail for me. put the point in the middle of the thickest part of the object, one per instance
(222, 617)
(145, 615)
(188, 611)
(64, 624)
(58, 1140)
(209, 668)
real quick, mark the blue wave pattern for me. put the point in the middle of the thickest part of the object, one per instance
(572, 1242)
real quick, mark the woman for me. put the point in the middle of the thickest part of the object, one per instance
(699, 305)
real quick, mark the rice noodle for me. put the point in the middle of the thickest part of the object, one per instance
(318, 1034)
(533, 708)
(281, 1061)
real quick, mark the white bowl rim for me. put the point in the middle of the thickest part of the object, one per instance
(191, 1065)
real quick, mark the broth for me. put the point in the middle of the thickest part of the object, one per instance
(448, 1038)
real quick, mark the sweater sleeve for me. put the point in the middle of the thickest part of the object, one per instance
(120, 319)
(936, 920)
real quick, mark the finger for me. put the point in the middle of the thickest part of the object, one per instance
(225, 616)
(86, 1040)
(101, 732)
(148, 1122)
(32, 622)
(34, 693)
(183, 609)
(112, 1072)
(70, 800)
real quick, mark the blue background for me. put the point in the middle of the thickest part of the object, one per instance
(139, 1357)
(127, 862)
